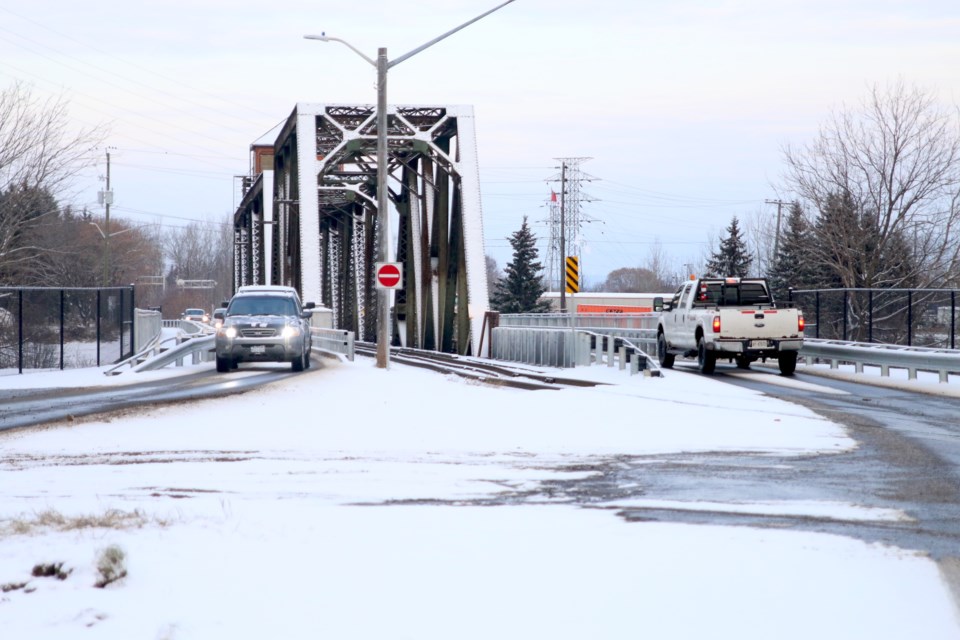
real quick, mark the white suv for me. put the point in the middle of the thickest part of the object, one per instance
(265, 324)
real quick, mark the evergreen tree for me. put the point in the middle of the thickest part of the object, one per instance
(521, 287)
(794, 265)
(732, 258)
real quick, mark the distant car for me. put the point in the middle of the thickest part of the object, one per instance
(265, 326)
(218, 315)
(197, 315)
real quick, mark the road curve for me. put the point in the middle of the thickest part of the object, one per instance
(28, 407)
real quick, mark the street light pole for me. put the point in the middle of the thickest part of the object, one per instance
(383, 294)
(383, 65)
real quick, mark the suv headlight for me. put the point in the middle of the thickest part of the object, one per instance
(228, 332)
(290, 331)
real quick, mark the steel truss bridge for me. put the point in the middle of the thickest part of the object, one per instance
(308, 219)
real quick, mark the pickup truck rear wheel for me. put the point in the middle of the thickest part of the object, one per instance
(706, 360)
(665, 359)
(787, 362)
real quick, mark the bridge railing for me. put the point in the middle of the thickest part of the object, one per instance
(943, 362)
(336, 341)
(552, 340)
(564, 340)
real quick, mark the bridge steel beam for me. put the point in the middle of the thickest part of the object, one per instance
(325, 230)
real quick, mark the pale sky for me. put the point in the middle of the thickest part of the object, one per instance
(683, 107)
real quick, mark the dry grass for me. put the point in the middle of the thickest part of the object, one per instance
(111, 565)
(54, 521)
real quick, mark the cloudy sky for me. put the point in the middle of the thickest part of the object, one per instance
(681, 108)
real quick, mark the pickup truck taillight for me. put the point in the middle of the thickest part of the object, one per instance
(800, 323)
(716, 324)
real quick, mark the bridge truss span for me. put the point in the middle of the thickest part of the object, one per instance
(325, 230)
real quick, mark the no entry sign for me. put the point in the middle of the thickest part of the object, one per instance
(389, 275)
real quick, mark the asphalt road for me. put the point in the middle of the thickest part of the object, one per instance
(907, 459)
(28, 407)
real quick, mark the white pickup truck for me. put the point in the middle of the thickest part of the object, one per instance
(731, 318)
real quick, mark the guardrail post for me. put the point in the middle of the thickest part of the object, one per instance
(611, 350)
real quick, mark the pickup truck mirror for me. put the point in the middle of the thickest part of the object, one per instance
(659, 305)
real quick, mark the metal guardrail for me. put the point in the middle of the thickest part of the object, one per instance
(551, 346)
(639, 332)
(335, 341)
(860, 354)
(199, 349)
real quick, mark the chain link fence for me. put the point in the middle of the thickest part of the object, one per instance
(45, 328)
(909, 317)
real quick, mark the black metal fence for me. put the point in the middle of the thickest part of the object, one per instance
(51, 328)
(910, 317)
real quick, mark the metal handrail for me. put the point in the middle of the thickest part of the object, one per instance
(860, 354)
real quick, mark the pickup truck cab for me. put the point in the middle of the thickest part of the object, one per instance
(728, 318)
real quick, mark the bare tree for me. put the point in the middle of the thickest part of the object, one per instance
(493, 274)
(39, 155)
(662, 269)
(896, 160)
(37, 148)
(199, 251)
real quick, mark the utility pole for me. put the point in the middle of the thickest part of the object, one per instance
(565, 232)
(383, 65)
(563, 240)
(106, 199)
(776, 237)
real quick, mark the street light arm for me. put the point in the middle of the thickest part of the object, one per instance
(325, 38)
(409, 54)
(116, 233)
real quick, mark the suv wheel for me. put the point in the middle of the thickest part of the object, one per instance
(297, 363)
(223, 364)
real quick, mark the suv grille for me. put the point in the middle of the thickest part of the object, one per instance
(258, 333)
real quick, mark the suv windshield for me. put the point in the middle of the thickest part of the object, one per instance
(262, 306)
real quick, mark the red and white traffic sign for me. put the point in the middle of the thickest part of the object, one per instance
(389, 275)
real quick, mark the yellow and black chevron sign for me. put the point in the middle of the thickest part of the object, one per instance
(573, 274)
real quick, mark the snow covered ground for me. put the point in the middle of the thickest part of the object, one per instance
(344, 504)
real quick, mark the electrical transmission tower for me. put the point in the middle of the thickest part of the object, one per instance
(565, 219)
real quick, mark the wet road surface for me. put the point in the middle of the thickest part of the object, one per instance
(27, 407)
(907, 459)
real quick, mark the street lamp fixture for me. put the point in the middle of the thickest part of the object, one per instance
(383, 65)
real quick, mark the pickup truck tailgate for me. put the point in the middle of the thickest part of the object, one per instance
(740, 324)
